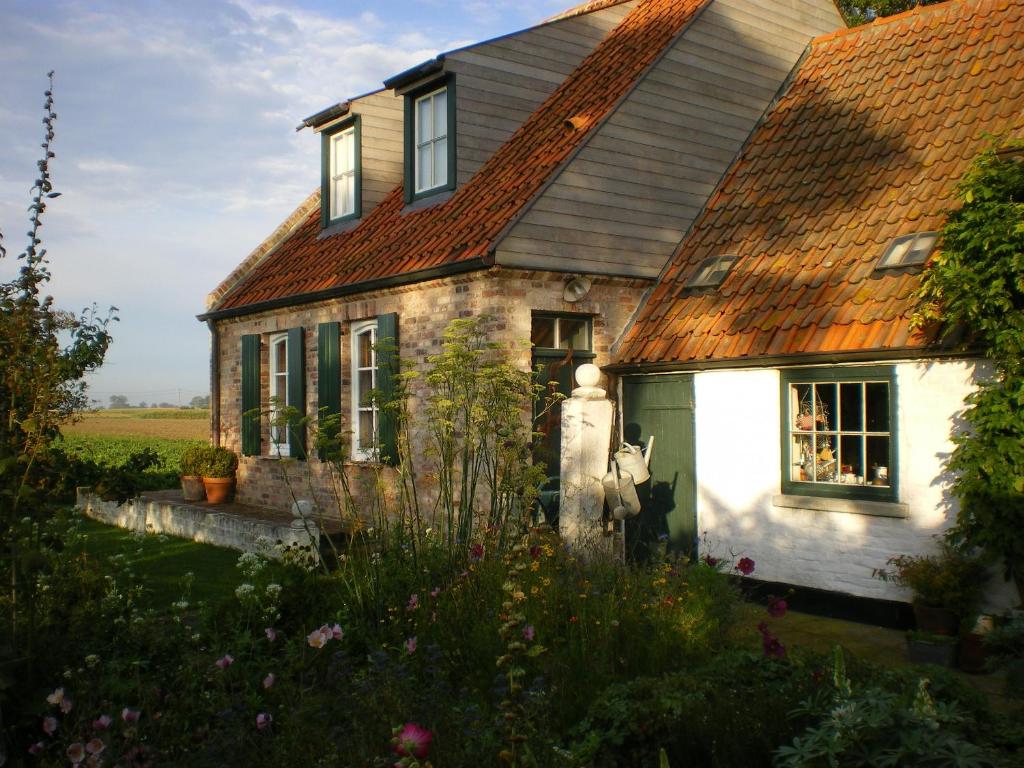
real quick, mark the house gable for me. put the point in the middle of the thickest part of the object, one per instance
(866, 145)
(624, 202)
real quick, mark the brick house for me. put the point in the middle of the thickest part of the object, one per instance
(482, 182)
(775, 360)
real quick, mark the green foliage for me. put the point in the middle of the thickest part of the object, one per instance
(115, 452)
(975, 289)
(951, 579)
(194, 460)
(219, 462)
(860, 12)
(189, 414)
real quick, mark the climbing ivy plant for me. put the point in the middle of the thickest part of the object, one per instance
(975, 290)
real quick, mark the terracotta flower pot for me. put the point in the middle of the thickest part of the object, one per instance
(935, 620)
(192, 488)
(219, 490)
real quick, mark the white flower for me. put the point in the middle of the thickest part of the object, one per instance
(273, 591)
(244, 590)
(92, 660)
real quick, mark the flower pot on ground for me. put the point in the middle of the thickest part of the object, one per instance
(926, 648)
(219, 475)
(193, 463)
(946, 586)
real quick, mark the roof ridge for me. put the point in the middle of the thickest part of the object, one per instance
(882, 21)
(583, 8)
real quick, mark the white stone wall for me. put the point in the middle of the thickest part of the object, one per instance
(738, 474)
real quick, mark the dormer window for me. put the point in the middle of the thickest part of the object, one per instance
(711, 272)
(909, 250)
(340, 183)
(430, 140)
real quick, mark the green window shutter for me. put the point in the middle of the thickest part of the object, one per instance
(328, 369)
(251, 395)
(297, 392)
(387, 385)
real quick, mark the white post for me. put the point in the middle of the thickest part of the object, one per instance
(586, 435)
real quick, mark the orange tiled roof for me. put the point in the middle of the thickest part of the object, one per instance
(867, 143)
(389, 242)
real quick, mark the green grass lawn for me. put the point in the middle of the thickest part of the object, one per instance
(161, 563)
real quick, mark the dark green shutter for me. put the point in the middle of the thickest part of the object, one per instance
(328, 369)
(387, 385)
(297, 393)
(251, 395)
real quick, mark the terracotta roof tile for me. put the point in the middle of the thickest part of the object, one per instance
(391, 242)
(868, 142)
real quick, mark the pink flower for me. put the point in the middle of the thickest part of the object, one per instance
(56, 697)
(66, 705)
(528, 633)
(410, 645)
(336, 632)
(745, 566)
(263, 720)
(76, 753)
(414, 601)
(225, 661)
(476, 553)
(435, 592)
(95, 746)
(271, 634)
(777, 607)
(318, 637)
(770, 644)
(37, 748)
(50, 725)
(102, 722)
(412, 741)
(130, 715)
(268, 681)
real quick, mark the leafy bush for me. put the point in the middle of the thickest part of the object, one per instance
(116, 452)
(951, 579)
(194, 460)
(219, 462)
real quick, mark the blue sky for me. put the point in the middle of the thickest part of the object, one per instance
(176, 144)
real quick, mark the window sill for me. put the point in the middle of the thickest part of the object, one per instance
(338, 226)
(428, 199)
(848, 506)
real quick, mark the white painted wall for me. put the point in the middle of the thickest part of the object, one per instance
(738, 473)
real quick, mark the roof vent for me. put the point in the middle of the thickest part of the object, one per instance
(908, 250)
(712, 271)
(577, 122)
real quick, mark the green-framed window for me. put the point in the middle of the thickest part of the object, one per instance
(430, 139)
(839, 432)
(341, 172)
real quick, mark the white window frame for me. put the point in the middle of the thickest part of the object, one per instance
(340, 176)
(437, 178)
(359, 451)
(278, 388)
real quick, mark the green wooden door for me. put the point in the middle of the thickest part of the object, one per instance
(662, 406)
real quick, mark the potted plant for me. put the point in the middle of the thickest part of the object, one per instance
(928, 648)
(219, 475)
(946, 586)
(193, 464)
(974, 652)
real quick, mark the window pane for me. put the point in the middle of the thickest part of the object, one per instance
(365, 387)
(441, 114)
(423, 127)
(877, 395)
(440, 163)
(279, 387)
(349, 198)
(826, 466)
(542, 332)
(851, 405)
(878, 460)
(365, 350)
(365, 429)
(851, 458)
(573, 334)
(801, 469)
(423, 167)
(825, 407)
(801, 408)
(281, 357)
(350, 150)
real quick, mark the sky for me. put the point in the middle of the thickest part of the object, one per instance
(176, 149)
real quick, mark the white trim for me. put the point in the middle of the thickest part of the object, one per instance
(360, 452)
(278, 380)
(339, 177)
(431, 140)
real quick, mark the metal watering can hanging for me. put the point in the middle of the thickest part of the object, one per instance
(628, 468)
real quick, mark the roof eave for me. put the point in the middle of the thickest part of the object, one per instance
(421, 70)
(325, 115)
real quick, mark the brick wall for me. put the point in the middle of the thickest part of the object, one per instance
(424, 310)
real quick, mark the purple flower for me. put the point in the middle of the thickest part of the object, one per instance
(130, 715)
(435, 592)
(777, 607)
(413, 604)
(102, 722)
(50, 725)
(263, 720)
(271, 634)
(225, 661)
(336, 632)
(37, 748)
(476, 553)
(95, 746)
(770, 644)
(410, 645)
(269, 680)
(709, 561)
(76, 752)
(745, 566)
(412, 740)
(528, 633)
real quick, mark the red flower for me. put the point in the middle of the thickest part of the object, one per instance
(745, 566)
(710, 561)
(412, 740)
(777, 607)
(476, 553)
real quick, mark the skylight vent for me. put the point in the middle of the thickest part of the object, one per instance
(712, 271)
(908, 250)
